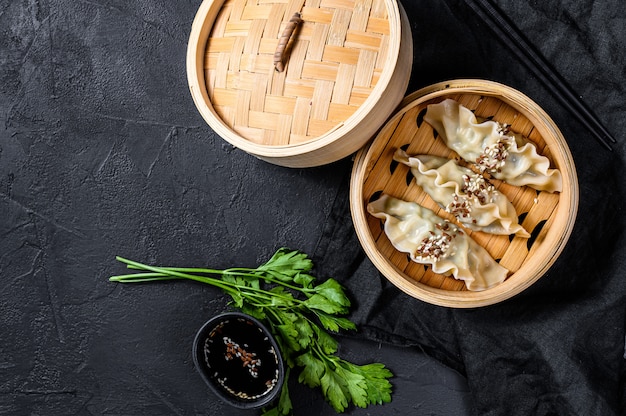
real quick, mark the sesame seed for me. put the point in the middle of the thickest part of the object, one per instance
(493, 157)
(248, 359)
(436, 245)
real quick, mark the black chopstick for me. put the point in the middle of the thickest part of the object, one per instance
(510, 35)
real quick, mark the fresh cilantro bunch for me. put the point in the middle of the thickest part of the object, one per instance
(301, 314)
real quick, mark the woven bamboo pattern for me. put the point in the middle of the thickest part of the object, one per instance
(333, 61)
(547, 216)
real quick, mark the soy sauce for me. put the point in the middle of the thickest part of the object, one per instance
(241, 359)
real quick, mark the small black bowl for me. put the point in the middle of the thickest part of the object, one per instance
(239, 359)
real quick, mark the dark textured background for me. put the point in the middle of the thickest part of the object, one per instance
(103, 153)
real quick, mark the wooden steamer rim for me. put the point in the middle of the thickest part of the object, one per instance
(345, 136)
(555, 212)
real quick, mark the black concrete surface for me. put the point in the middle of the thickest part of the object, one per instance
(102, 153)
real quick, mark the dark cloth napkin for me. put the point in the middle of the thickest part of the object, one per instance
(558, 347)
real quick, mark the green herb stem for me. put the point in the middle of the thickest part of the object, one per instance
(173, 273)
(234, 271)
(176, 273)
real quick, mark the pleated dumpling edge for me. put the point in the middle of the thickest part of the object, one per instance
(467, 195)
(504, 155)
(431, 240)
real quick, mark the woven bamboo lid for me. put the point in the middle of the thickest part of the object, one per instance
(346, 67)
(549, 217)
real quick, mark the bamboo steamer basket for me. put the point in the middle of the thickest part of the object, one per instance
(549, 217)
(347, 67)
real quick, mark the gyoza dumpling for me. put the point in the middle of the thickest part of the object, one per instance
(429, 239)
(504, 155)
(465, 194)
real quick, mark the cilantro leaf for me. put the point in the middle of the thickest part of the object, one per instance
(237, 299)
(282, 298)
(284, 406)
(334, 323)
(377, 383)
(355, 383)
(286, 264)
(335, 390)
(322, 303)
(289, 335)
(284, 402)
(312, 369)
(234, 276)
(333, 291)
(305, 280)
(305, 331)
(253, 311)
(324, 341)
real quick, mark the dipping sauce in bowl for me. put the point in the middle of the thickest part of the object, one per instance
(239, 359)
